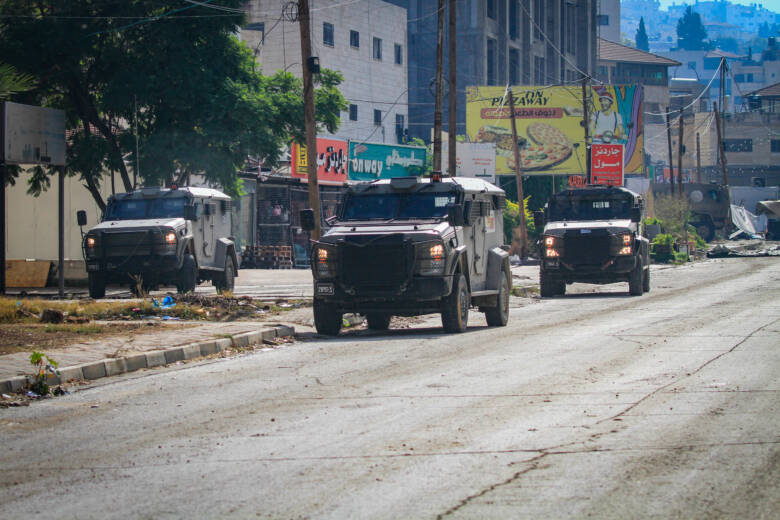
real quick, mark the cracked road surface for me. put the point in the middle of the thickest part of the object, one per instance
(591, 405)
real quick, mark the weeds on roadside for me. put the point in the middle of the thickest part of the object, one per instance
(44, 365)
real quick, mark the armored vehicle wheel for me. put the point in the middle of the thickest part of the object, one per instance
(188, 275)
(378, 321)
(635, 280)
(498, 316)
(226, 281)
(97, 286)
(705, 230)
(327, 320)
(547, 286)
(455, 311)
(646, 280)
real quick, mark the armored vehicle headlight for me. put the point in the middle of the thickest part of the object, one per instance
(430, 259)
(326, 261)
(91, 242)
(552, 247)
(170, 238)
(626, 247)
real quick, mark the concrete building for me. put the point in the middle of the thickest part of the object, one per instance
(522, 42)
(365, 41)
(609, 21)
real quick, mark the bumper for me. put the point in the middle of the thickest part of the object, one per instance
(416, 296)
(615, 269)
(120, 267)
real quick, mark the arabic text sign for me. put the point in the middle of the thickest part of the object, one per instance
(473, 159)
(607, 164)
(372, 161)
(331, 160)
(33, 135)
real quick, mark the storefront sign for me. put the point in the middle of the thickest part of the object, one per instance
(331, 160)
(372, 161)
(607, 164)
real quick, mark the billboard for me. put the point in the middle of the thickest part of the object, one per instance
(33, 135)
(607, 164)
(550, 125)
(372, 161)
(472, 160)
(331, 160)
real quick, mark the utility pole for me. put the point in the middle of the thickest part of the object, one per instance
(698, 159)
(2, 215)
(519, 179)
(680, 147)
(721, 152)
(453, 92)
(311, 128)
(61, 231)
(586, 124)
(669, 142)
(438, 109)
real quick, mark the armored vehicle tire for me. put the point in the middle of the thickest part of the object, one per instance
(455, 308)
(378, 321)
(646, 280)
(188, 275)
(498, 316)
(705, 230)
(547, 286)
(226, 281)
(97, 285)
(327, 320)
(635, 280)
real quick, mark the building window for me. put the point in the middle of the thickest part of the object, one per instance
(737, 145)
(775, 146)
(513, 14)
(571, 28)
(538, 18)
(491, 9)
(399, 54)
(259, 27)
(539, 70)
(378, 48)
(377, 117)
(603, 19)
(514, 67)
(353, 114)
(354, 39)
(399, 127)
(327, 34)
(491, 61)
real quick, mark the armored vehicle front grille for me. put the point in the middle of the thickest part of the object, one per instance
(586, 249)
(373, 266)
(130, 243)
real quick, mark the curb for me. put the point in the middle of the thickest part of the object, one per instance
(122, 365)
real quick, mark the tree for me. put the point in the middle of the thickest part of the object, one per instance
(12, 82)
(642, 43)
(175, 78)
(691, 34)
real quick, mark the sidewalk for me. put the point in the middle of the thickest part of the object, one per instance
(95, 359)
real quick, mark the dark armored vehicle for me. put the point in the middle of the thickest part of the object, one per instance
(159, 236)
(593, 235)
(409, 246)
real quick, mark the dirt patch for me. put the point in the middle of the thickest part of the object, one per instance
(39, 336)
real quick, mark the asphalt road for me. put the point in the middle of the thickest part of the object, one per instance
(590, 405)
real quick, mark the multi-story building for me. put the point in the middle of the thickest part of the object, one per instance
(522, 42)
(609, 20)
(365, 41)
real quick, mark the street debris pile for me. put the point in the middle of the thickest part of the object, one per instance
(723, 251)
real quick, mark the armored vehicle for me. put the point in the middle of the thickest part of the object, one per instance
(409, 246)
(159, 236)
(593, 235)
(708, 203)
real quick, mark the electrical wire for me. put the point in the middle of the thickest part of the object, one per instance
(706, 89)
(217, 7)
(145, 20)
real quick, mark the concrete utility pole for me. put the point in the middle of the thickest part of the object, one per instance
(586, 124)
(438, 109)
(453, 91)
(721, 151)
(61, 231)
(669, 142)
(698, 159)
(680, 147)
(311, 128)
(523, 238)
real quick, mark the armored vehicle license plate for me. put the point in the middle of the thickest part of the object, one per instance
(325, 289)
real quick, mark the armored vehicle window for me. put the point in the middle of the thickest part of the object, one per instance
(397, 206)
(589, 209)
(131, 209)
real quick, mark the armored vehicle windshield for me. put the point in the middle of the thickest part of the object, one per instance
(137, 209)
(397, 206)
(590, 208)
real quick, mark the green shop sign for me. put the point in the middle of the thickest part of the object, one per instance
(372, 161)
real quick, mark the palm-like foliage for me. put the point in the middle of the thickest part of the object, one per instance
(12, 81)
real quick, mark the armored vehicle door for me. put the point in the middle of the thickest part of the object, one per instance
(205, 233)
(481, 209)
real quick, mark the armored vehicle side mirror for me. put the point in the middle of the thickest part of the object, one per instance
(539, 220)
(636, 214)
(190, 213)
(81, 217)
(307, 219)
(455, 214)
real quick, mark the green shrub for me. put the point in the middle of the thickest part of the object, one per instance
(662, 248)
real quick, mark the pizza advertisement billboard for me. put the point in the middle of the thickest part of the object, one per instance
(332, 160)
(372, 161)
(607, 164)
(550, 122)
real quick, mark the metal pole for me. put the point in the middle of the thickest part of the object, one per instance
(698, 158)
(437, 111)
(671, 160)
(2, 224)
(61, 232)
(721, 152)
(519, 179)
(453, 92)
(680, 154)
(311, 129)
(586, 124)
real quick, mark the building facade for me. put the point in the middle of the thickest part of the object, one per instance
(364, 41)
(609, 20)
(499, 42)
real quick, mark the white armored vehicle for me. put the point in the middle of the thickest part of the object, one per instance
(160, 236)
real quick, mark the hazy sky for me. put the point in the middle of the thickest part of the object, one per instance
(772, 5)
